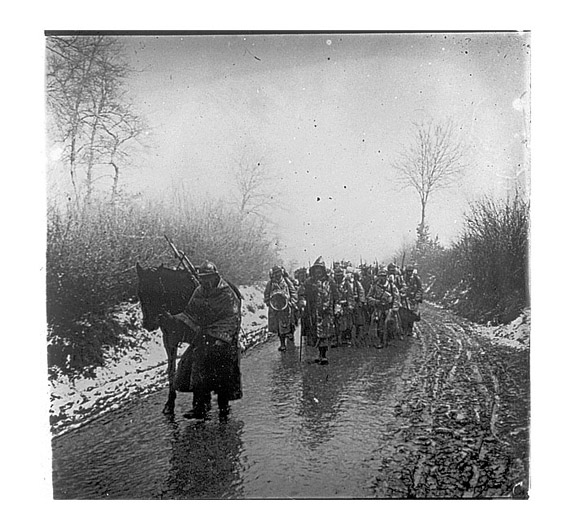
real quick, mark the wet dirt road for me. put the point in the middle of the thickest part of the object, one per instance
(301, 430)
(424, 418)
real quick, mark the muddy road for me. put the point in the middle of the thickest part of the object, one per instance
(444, 414)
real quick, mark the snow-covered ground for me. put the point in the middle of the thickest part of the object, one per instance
(515, 334)
(135, 371)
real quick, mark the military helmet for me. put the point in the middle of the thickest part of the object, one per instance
(392, 266)
(409, 268)
(207, 269)
(319, 264)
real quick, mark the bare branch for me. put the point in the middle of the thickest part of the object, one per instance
(256, 186)
(434, 160)
(86, 98)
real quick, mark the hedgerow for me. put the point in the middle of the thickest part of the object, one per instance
(92, 254)
(484, 275)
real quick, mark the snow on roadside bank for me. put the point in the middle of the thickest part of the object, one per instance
(137, 371)
(515, 334)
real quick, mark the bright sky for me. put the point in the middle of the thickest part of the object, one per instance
(328, 113)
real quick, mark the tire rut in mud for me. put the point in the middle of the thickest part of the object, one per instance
(461, 424)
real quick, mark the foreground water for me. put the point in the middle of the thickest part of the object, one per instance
(301, 431)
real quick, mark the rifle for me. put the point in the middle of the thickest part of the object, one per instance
(185, 262)
(402, 262)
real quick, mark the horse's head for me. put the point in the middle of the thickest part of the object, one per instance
(160, 289)
(151, 295)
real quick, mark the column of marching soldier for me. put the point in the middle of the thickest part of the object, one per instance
(343, 306)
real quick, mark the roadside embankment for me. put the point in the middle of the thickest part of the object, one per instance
(129, 373)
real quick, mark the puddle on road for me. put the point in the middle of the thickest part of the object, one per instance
(301, 430)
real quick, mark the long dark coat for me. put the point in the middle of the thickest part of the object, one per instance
(321, 296)
(215, 315)
(281, 322)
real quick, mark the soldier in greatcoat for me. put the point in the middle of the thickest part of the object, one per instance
(319, 302)
(360, 312)
(412, 297)
(280, 296)
(382, 297)
(213, 315)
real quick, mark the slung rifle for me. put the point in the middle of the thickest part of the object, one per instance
(184, 261)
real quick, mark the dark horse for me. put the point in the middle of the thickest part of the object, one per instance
(163, 290)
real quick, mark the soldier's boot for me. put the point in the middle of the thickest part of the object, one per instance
(223, 405)
(282, 343)
(200, 406)
(323, 355)
(291, 336)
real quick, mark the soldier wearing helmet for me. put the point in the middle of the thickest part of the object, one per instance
(395, 271)
(319, 301)
(343, 316)
(348, 299)
(360, 316)
(412, 295)
(213, 314)
(280, 296)
(382, 296)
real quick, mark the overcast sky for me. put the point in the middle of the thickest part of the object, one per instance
(327, 114)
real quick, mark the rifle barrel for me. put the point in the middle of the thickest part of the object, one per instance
(183, 259)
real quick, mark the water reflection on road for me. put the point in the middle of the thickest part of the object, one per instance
(301, 430)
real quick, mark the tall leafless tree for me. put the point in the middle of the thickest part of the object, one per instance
(89, 110)
(435, 159)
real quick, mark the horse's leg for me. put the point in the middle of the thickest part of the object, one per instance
(171, 347)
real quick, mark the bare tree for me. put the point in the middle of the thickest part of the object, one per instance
(123, 128)
(256, 186)
(434, 160)
(88, 106)
(69, 68)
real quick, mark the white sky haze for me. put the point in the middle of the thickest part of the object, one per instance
(328, 113)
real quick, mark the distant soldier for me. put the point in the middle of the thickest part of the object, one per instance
(393, 270)
(300, 275)
(293, 286)
(318, 299)
(360, 313)
(381, 297)
(394, 311)
(280, 296)
(340, 320)
(412, 295)
(346, 318)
